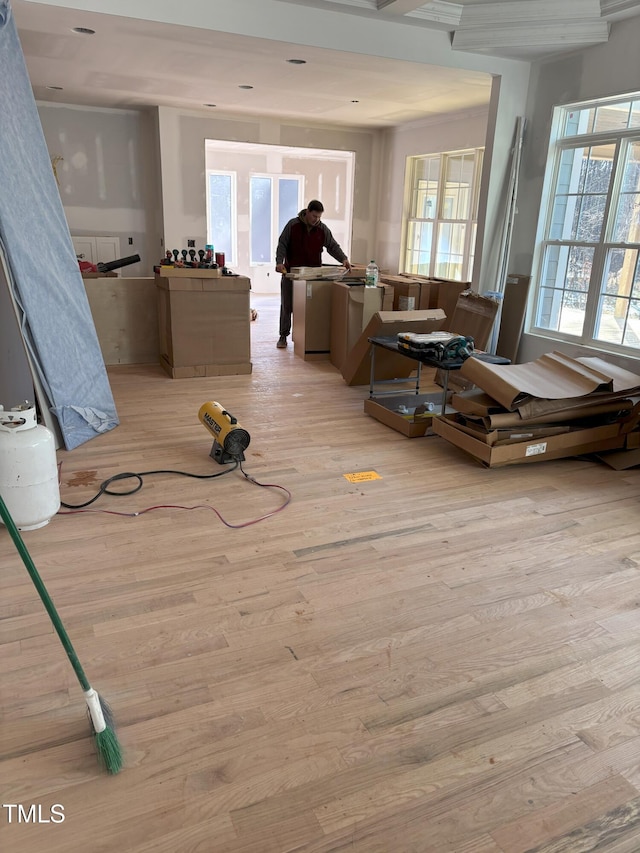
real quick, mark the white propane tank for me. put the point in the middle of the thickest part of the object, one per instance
(28, 468)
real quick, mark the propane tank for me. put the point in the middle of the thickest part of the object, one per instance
(28, 468)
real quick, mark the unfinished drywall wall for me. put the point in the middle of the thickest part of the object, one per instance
(183, 135)
(323, 174)
(108, 176)
(447, 133)
(608, 69)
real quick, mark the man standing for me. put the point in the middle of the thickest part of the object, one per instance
(300, 245)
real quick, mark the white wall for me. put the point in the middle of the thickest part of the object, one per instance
(108, 176)
(450, 133)
(609, 69)
(183, 134)
(302, 25)
(121, 191)
(324, 175)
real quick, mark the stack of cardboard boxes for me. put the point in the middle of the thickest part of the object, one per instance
(554, 407)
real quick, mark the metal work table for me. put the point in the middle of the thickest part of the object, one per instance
(391, 344)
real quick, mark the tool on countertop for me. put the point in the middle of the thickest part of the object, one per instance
(120, 262)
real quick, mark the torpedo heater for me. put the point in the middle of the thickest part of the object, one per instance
(230, 439)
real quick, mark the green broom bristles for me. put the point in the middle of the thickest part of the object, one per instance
(106, 742)
(108, 748)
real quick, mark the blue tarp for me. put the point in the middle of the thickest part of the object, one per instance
(44, 276)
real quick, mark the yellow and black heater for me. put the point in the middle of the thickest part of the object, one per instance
(230, 439)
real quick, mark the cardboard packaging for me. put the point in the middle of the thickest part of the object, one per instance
(188, 272)
(572, 443)
(473, 316)
(410, 294)
(446, 293)
(352, 306)
(356, 369)
(203, 325)
(312, 318)
(415, 422)
(553, 376)
(512, 314)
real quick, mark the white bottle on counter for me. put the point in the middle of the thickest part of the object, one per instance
(371, 274)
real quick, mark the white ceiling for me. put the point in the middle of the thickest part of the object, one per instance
(131, 62)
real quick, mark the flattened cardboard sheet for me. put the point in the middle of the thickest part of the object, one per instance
(553, 376)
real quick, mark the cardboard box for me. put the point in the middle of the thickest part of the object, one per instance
(189, 272)
(447, 292)
(386, 410)
(352, 306)
(203, 325)
(574, 443)
(356, 369)
(410, 294)
(473, 317)
(512, 435)
(621, 460)
(512, 314)
(632, 440)
(312, 318)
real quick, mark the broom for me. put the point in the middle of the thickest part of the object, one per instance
(107, 746)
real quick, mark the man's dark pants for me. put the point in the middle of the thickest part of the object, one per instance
(286, 305)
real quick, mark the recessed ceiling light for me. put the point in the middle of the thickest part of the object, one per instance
(245, 87)
(58, 88)
(84, 31)
(297, 61)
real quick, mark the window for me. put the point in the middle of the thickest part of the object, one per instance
(440, 228)
(587, 255)
(221, 213)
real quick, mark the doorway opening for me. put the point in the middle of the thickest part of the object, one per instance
(254, 189)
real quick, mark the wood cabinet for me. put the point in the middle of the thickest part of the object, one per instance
(97, 250)
(203, 323)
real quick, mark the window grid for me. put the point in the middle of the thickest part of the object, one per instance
(587, 259)
(441, 223)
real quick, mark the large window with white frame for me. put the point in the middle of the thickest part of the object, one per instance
(442, 211)
(587, 260)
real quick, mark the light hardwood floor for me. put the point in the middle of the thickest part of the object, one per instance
(446, 658)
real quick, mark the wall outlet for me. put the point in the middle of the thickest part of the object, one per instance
(191, 244)
(131, 241)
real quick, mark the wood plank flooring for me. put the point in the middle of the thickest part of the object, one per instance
(442, 660)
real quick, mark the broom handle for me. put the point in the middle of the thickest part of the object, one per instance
(44, 595)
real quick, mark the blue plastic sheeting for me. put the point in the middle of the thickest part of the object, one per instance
(44, 276)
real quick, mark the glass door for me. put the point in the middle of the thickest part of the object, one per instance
(273, 201)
